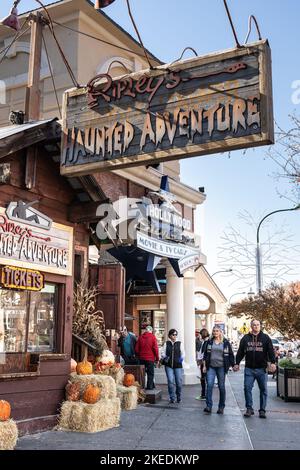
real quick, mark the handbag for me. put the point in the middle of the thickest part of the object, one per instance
(164, 361)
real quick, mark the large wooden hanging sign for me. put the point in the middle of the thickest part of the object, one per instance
(211, 104)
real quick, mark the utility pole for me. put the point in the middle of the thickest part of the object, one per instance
(33, 92)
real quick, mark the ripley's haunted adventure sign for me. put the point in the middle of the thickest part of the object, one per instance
(211, 104)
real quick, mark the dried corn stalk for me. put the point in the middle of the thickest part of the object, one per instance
(88, 323)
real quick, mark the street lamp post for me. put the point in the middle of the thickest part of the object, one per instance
(259, 281)
(224, 271)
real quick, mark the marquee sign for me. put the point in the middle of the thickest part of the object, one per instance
(45, 245)
(19, 278)
(210, 104)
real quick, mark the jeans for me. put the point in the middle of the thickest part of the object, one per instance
(210, 377)
(203, 381)
(174, 375)
(149, 369)
(260, 375)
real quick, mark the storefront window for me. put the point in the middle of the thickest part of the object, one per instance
(41, 320)
(27, 320)
(13, 314)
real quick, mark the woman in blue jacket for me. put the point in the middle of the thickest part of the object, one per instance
(218, 358)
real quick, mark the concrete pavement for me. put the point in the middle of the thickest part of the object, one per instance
(186, 427)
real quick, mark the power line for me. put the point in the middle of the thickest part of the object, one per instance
(17, 36)
(99, 40)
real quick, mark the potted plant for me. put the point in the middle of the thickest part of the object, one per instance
(288, 379)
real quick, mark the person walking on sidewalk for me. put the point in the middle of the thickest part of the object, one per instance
(172, 356)
(218, 358)
(126, 343)
(258, 349)
(204, 335)
(146, 350)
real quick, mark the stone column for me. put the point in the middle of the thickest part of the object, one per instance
(175, 305)
(175, 313)
(191, 371)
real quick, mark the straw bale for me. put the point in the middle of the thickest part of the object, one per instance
(82, 417)
(106, 384)
(118, 375)
(8, 434)
(128, 397)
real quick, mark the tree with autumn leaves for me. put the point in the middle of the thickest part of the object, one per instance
(277, 307)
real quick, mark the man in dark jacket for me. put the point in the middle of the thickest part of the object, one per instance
(257, 347)
(146, 350)
(126, 343)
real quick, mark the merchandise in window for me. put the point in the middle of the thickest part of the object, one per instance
(27, 320)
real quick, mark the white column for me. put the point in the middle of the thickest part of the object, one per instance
(175, 305)
(191, 371)
(175, 313)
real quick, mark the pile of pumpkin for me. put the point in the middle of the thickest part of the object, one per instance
(104, 364)
(8, 428)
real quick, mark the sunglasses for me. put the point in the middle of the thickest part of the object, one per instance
(174, 334)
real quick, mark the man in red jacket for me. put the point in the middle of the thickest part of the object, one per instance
(146, 350)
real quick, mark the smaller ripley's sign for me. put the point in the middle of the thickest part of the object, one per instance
(48, 248)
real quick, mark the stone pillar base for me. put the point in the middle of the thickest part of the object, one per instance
(191, 375)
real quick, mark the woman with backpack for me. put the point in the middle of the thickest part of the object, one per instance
(218, 358)
(172, 356)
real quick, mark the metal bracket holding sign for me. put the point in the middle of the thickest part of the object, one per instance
(210, 104)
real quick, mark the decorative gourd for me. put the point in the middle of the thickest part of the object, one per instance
(129, 380)
(73, 365)
(84, 368)
(91, 394)
(73, 391)
(107, 358)
(5, 410)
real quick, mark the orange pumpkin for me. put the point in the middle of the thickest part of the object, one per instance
(5, 410)
(91, 394)
(73, 365)
(84, 368)
(129, 380)
(73, 391)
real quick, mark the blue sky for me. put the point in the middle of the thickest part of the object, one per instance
(241, 182)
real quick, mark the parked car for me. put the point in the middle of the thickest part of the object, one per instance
(278, 346)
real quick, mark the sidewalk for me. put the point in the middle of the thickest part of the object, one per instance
(281, 429)
(160, 426)
(185, 426)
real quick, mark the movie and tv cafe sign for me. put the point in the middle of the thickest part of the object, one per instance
(30, 240)
(210, 104)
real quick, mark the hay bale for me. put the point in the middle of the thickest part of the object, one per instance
(128, 397)
(117, 375)
(8, 434)
(82, 417)
(106, 384)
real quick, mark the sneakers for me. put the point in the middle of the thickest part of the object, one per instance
(249, 412)
(220, 411)
(178, 400)
(171, 402)
(203, 397)
(262, 414)
(207, 410)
